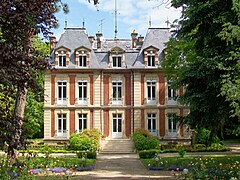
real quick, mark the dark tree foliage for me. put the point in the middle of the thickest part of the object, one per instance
(198, 58)
(19, 21)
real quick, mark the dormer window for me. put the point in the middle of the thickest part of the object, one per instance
(151, 60)
(117, 61)
(117, 57)
(151, 57)
(82, 60)
(62, 57)
(62, 60)
(82, 57)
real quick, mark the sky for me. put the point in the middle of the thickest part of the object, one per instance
(136, 15)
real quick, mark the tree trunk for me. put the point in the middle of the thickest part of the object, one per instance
(18, 119)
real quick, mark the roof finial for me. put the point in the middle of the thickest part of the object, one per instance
(167, 22)
(101, 23)
(150, 21)
(83, 23)
(116, 31)
(66, 22)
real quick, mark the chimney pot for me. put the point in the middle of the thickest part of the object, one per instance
(99, 43)
(134, 38)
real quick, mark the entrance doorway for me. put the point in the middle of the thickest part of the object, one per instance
(117, 126)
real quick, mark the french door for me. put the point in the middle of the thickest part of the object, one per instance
(117, 126)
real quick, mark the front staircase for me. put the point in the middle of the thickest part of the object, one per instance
(117, 146)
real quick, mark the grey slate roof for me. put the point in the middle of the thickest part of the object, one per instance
(156, 37)
(74, 38)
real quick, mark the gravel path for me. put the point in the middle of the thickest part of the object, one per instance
(122, 166)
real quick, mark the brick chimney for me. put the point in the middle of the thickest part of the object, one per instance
(99, 39)
(91, 39)
(53, 42)
(134, 39)
(140, 40)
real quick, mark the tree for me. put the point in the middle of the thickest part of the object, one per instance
(198, 59)
(19, 21)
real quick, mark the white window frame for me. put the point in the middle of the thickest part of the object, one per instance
(172, 94)
(172, 125)
(118, 118)
(118, 59)
(151, 117)
(151, 60)
(82, 60)
(83, 100)
(82, 120)
(115, 87)
(61, 59)
(150, 85)
(61, 100)
(61, 131)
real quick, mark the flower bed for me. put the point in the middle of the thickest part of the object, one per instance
(204, 167)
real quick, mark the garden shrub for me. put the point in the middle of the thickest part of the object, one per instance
(95, 135)
(80, 142)
(144, 140)
(86, 154)
(204, 137)
(148, 154)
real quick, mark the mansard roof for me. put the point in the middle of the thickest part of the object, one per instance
(155, 37)
(73, 38)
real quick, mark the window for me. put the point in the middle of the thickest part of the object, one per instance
(117, 61)
(151, 60)
(172, 93)
(82, 122)
(117, 91)
(117, 124)
(152, 123)
(151, 90)
(62, 125)
(82, 61)
(172, 123)
(62, 92)
(62, 60)
(82, 92)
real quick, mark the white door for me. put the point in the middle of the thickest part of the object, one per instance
(117, 126)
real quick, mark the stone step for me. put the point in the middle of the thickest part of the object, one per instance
(117, 146)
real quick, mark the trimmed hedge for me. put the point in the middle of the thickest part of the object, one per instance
(86, 154)
(143, 140)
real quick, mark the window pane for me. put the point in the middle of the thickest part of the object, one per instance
(60, 60)
(153, 92)
(149, 124)
(119, 125)
(64, 92)
(149, 92)
(149, 60)
(80, 125)
(119, 92)
(154, 124)
(114, 92)
(64, 61)
(114, 125)
(114, 62)
(80, 92)
(59, 92)
(119, 62)
(84, 61)
(153, 60)
(85, 124)
(64, 124)
(59, 124)
(85, 92)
